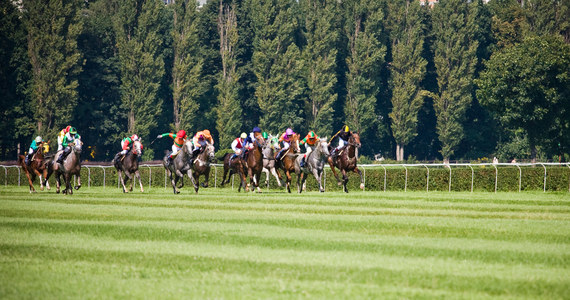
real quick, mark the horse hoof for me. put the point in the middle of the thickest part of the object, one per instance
(176, 192)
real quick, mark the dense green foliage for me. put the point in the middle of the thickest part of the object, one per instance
(401, 74)
(220, 244)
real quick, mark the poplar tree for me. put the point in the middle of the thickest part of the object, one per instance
(139, 43)
(277, 64)
(408, 68)
(187, 86)
(321, 35)
(455, 51)
(53, 27)
(228, 111)
(363, 29)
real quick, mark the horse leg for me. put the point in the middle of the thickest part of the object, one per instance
(300, 178)
(194, 181)
(45, 181)
(173, 181)
(67, 179)
(249, 173)
(78, 186)
(266, 171)
(256, 179)
(319, 176)
(277, 176)
(132, 180)
(57, 182)
(32, 190)
(288, 183)
(123, 181)
(331, 164)
(37, 173)
(206, 180)
(356, 170)
(138, 176)
(344, 181)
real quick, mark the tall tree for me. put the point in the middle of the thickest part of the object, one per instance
(139, 41)
(320, 55)
(277, 64)
(455, 51)
(228, 111)
(53, 27)
(187, 86)
(527, 87)
(364, 29)
(408, 68)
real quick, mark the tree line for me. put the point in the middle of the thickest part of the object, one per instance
(459, 80)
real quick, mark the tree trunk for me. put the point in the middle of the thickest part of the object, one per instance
(402, 152)
(131, 121)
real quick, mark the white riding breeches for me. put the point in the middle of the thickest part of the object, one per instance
(308, 149)
(175, 150)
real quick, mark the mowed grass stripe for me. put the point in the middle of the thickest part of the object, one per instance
(548, 231)
(290, 238)
(411, 208)
(336, 266)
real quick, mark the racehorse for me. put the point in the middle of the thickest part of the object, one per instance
(130, 165)
(237, 166)
(201, 166)
(254, 160)
(345, 161)
(287, 162)
(180, 165)
(314, 163)
(35, 168)
(71, 166)
(268, 151)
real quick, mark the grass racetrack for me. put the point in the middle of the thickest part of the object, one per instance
(100, 243)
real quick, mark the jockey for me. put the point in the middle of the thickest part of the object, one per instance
(201, 138)
(238, 146)
(343, 136)
(68, 138)
(36, 143)
(309, 141)
(255, 134)
(60, 136)
(127, 145)
(179, 140)
(286, 139)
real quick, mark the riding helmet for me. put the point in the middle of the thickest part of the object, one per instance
(243, 135)
(72, 130)
(181, 134)
(264, 135)
(256, 129)
(289, 131)
(311, 134)
(134, 137)
(39, 139)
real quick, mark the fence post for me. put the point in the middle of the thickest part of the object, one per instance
(496, 176)
(427, 180)
(520, 177)
(6, 176)
(568, 165)
(384, 177)
(149, 176)
(165, 178)
(449, 166)
(233, 182)
(325, 179)
(19, 175)
(364, 187)
(216, 177)
(472, 177)
(544, 188)
(104, 177)
(406, 181)
(88, 177)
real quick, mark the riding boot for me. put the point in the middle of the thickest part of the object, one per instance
(279, 154)
(63, 155)
(195, 152)
(28, 159)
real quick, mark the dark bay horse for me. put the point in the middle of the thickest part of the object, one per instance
(180, 165)
(254, 160)
(71, 166)
(238, 166)
(314, 164)
(345, 161)
(36, 167)
(287, 162)
(269, 165)
(201, 166)
(129, 165)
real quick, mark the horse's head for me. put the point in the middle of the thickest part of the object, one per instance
(187, 147)
(323, 145)
(295, 143)
(76, 146)
(137, 148)
(354, 140)
(210, 151)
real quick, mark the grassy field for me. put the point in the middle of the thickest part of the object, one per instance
(100, 243)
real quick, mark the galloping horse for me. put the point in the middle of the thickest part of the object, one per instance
(254, 159)
(35, 168)
(130, 165)
(180, 164)
(71, 166)
(345, 161)
(287, 162)
(269, 159)
(237, 166)
(201, 166)
(314, 164)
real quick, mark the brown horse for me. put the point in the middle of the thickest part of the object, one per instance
(345, 161)
(287, 162)
(254, 160)
(130, 165)
(35, 168)
(237, 166)
(71, 166)
(201, 166)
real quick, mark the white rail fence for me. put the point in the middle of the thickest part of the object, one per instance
(385, 167)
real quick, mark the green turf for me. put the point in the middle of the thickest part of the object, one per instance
(100, 243)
